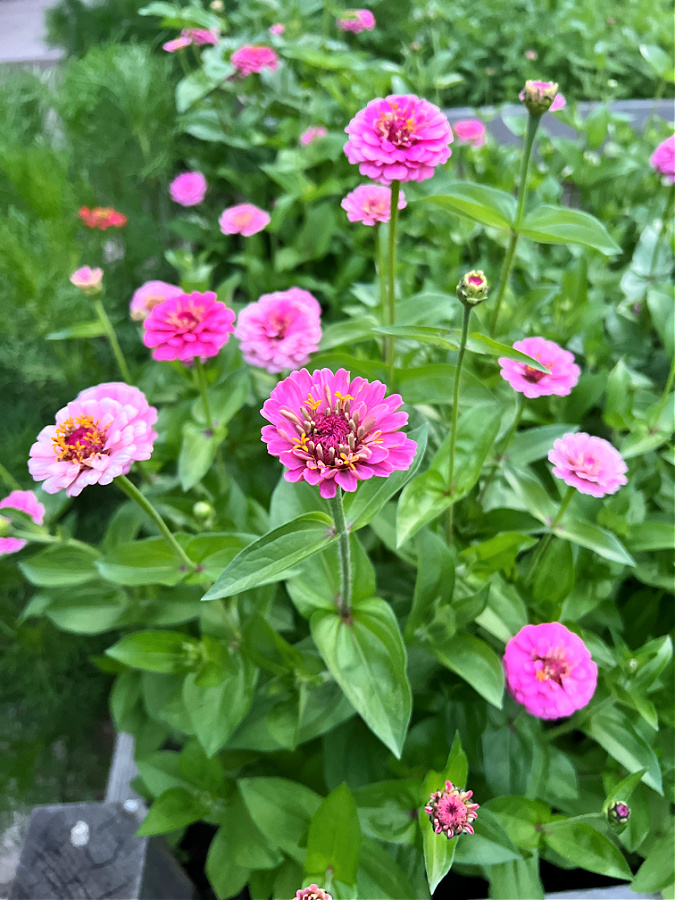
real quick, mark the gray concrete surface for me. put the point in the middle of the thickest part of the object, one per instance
(22, 33)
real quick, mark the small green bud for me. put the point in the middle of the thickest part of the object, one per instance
(203, 510)
(5, 527)
(472, 288)
(618, 813)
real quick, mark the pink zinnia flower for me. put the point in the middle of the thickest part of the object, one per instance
(558, 103)
(523, 378)
(330, 430)
(188, 326)
(178, 43)
(277, 28)
(590, 464)
(400, 138)
(549, 670)
(356, 20)
(313, 892)
(663, 159)
(188, 188)
(451, 811)
(27, 502)
(281, 330)
(96, 438)
(149, 295)
(370, 204)
(245, 219)
(254, 58)
(102, 217)
(313, 134)
(202, 36)
(87, 279)
(470, 131)
(531, 54)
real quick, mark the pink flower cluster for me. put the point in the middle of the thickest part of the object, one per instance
(23, 501)
(281, 330)
(150, 295)
(334, 431)
(188, 188)
(549, 671)
(313, 134)
(97, 437)
(398, 138)
(469, 131)
(590, 464)
(370, 204)
(532, 383)
(200, 37)
(245, 219)
(663, 159)
(451, 811)
(188, 326)
(254, 58)
(356, 21)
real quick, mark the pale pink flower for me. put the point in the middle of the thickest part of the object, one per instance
(313, 892)
(559, 103)
(202, 36)
(96, 438)
(370, 204)
(399, 138)
(549, 670)
(281, 330)
(148, 295)
(178, 43)
(469, 131)
(590, 464)
(87, 279)
(188, 188)
(245, 219)
(254, 58)
(277, 28)
(531, 54)
(451, 811)
(313, 134)
(27, 502)
(526, 380)
(538, 96)
(356, 21)
(188, 326)
(663, 159)
(332, 430)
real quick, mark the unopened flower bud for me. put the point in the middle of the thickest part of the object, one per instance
(216, 5)
(312, 892)
(618, 813)
(88, 280)
(5, 527)
(202, 510)
(472, 288)
(538, 96)
(451, 811)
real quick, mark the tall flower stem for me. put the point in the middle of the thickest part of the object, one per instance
(112, 338)
(666, 219)
(532, 126)
(387, 346)
(203, 391)
(520, 406)
(134, 494)
(338, 514)
(9, 479)
(546, 540)
(455, 413)
(393, 219)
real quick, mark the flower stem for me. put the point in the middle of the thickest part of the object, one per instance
(504, 278)
(666, 218)
(134, 494)
(388, 343)
(203, 390)
(9, 479)
(393, 219)
(546, 540)
(112, 338)
(455, 413)
(520, 406)
(338, 514)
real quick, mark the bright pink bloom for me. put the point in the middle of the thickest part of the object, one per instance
(202, 36)
(400, 138)
(559, 103)
(188, 188)
(87, 279)
(313, 134)
(178, 43)
(313, 892)
(188, 326)
(245, 219)
(330, 430)
(102, 217)
(96, 438)
(150, 294)
(590, 464)
(356, 20)
(663, 159)
(281, 330)
(254, 58)
(469, 131)
(549, 670)
(277, 28)
(451, 811)
(27, 502)
(370, 204)
(526, 380)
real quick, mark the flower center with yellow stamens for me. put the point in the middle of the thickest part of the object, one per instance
(534, 375)
(554, 667)
(395, 127)
(187, 318)
(79, 438)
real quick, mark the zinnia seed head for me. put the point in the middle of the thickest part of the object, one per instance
(451, 811)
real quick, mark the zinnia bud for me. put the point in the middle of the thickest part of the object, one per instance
(538, 96)
(618, 813)
(451, 811)
(5, 527)
(472, 288)
(216, 5)
(88, 280)
(202, 510)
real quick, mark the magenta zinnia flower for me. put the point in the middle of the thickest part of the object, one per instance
(400, 138)
(313, 134)
(281, 330)
(370, 204)
(96, 438)
(188, 326)
(149, 295)
(188, 188)
(313, 892)
(356, 21)
(330, 430)
(590, 464)
(549, 670)
(245, 219)
(254, 58)
(469, 131)
(663, 159)
(451, 811)
(27, 502)
(523, 378)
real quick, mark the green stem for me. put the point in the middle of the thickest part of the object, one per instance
(134, 494)
(455, 413)
(112, 338)
(338, 514)
(520, 406)
(665, 221)
(504, 278)
(666, 393)
(546, 540)
(9, 479)
(393, 219)
(584, 818)
(203, 390)
(388, 343)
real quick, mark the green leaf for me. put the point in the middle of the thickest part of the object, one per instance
(225, 877)
(657, 872)
(582, 845)
(386, 810)
(555, 225)
(475, 662)
(645, 536)
(82, 330)
(197, 452)
(334, 839)
(614, 731)
(435, 580)
(496, 553)
(174, 809)
(90, 609)
(477, 202)
(623, 789)
(489, 845)
(61, 566)
(380, 877)
(553, 579)
(531, 493)
(149, 561)
(350, 331)
(156, 651)
(365, 654)
(423, 499)
(534, 443)
(282, 810)
(594, 538)
(519, 878)
(270, 557)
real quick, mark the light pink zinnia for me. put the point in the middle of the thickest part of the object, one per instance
(663, 159)
(245, 219)
(313, 134)
(281, 330)
(451, 811)
(370, 204)
(202, 36)
(400, 138)
(330, 430)
(254, 58)
(96, 438)
(590, 464)
(313, 892)
(27, 502)
(549, 670)
(469, 131)
(87, 279)
(277, 28)
(356, 21)
(526, 380)
(178, 43)
(188, 188)
(188, 326)
(147, 297)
